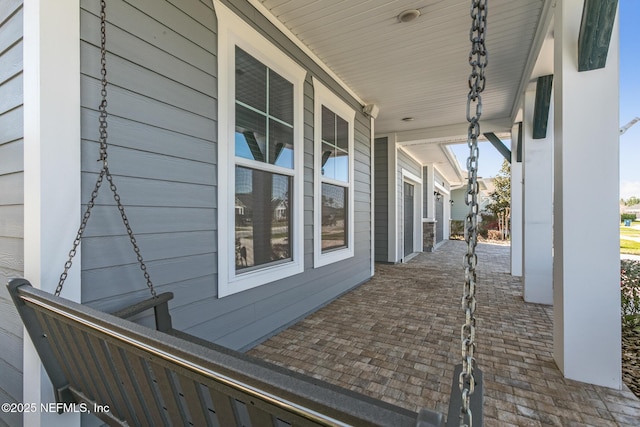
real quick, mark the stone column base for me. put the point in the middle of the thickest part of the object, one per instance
(428, 235)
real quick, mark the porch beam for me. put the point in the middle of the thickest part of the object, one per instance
(598, 17)
(541, 109)
(454, 133)
(586, 268)
(519, 144)
(499, 145)
(541, 34)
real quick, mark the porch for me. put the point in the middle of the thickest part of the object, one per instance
(396, 338)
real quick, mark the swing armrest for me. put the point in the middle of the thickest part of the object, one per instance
(160, 305)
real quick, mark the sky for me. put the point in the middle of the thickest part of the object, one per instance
(490, 160)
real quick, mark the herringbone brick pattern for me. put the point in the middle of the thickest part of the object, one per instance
(396, 338)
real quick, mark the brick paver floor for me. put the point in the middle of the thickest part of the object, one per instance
(396, 338)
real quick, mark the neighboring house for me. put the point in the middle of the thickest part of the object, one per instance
(459, 208)
(258, 180)
(635, 209)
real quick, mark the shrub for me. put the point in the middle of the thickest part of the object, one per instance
(630, 292)
(457, 228)
(630, 216)
(494, 235)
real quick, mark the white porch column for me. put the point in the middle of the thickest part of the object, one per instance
(392, 199)
(51, 170)
(537, 170)
(516, 207)
(586, 274)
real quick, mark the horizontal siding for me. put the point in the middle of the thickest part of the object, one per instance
(11, 154)
(381, 161)
(163, 154)
(309, 189)
(162, 134)
(440, 180)
(459, 209)
(11, 125)
(159, 53)
(11, 201)
(241, 320)
(11, 94)
(10, 60)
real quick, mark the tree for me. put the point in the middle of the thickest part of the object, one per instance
(500, 204)
(631, 201)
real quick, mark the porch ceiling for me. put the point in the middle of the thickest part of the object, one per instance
(419, 69)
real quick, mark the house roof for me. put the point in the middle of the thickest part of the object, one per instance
(420, 69)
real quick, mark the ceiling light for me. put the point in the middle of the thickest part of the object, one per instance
(408, 15)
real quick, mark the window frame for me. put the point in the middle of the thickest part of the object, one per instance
(325, 97)
(234, 31)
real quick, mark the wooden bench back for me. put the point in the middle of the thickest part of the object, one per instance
(146, 377)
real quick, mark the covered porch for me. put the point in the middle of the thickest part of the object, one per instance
(396, 338)
(398, 77)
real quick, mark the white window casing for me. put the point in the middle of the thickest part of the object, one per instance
(324, 97)
(235, 32)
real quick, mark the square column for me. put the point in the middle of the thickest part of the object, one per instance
(516, 207)
(52, 200)
(586, 268)
(537, 170)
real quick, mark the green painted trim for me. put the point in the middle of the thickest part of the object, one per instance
(497, 142)
(541, 107)
(519, 145)
(595, 33)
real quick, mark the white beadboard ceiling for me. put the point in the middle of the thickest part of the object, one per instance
(418, 69)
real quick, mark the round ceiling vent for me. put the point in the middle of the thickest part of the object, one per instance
(408, 15)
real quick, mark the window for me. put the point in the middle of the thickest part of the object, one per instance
(260, 134)
(334, 128)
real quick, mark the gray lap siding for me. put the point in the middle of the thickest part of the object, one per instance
(11, 201)
(163, 135)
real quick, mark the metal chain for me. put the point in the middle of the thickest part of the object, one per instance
(478, 61)
(104, 172)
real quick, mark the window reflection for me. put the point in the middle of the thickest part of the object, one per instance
(335, 146)
(264, 113)
(262, 218)
(334, 215)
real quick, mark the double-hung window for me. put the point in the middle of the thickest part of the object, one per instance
(260, 159)
(334, 193)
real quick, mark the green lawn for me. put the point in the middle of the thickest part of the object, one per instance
(628, 231)
(630, 246)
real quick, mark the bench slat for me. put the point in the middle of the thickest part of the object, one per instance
(193, 398)
(49, 335)
(223, 407)
(143, 386)
(122, 401)
(57, 339)
(170, 394)
(68, 342)
(101, 391)
(259, 417)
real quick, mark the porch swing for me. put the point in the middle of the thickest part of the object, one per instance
(128, 374)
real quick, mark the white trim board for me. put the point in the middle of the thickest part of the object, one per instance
(324, 97)
(234, 31)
